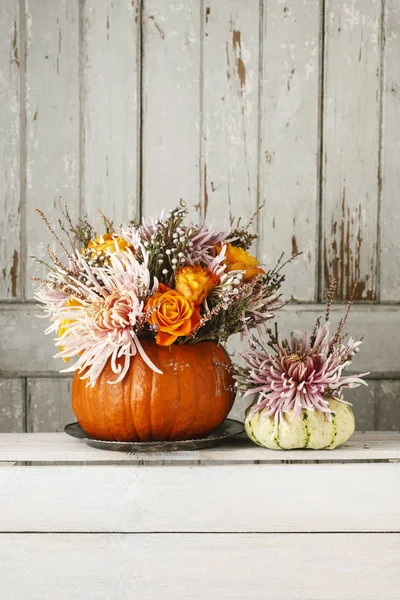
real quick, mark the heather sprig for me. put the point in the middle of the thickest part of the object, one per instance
(242, 235)
(79, 234)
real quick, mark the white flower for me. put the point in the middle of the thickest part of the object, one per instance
(100, 326)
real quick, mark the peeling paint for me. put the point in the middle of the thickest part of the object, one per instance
(295, 249)
(237, 44)
(227, 60)
(208, 12)
(15, 45)
(342, 260)
(14, 274)
(35, 115)
(289, 79)
(268, 157)
(205, 192)
(157, 26)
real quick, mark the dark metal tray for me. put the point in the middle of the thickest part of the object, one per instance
(229, 429)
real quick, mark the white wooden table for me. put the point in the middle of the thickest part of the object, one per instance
(232, 522)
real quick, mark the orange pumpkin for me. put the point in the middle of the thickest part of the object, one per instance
(190, 399)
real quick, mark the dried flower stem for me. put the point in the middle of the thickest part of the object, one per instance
(343, 320)
(59, 240)
(55, 259)
(107, 223)
(329, 299)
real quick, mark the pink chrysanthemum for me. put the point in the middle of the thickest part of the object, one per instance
(102, 324)
(135, 236)
(203, 245)
(299, 373)
(261, 307)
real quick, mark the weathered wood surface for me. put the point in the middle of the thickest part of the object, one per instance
(351, 146)
(49, 404)
(390, 212)
(110, 108)
(56, 447)
(378, 406)
(290, 139)
(230, 110)
(387, 393)
(272, 567)
(32, 352)
(201, 498)
(171, 105)
(11, 55)
(12, 405)
(52, 123)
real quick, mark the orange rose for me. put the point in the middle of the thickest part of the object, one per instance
(238, 259)
(65, 322)
(175, 316)
(195, 283)
(162, 288)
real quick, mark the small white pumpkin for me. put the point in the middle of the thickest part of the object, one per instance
(313, 430)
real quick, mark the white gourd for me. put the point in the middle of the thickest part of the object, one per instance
(313, 430)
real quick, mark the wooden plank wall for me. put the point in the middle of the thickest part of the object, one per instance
(130, 105)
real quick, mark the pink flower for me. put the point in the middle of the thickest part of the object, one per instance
(298, 374)
(203, 244)
(111, 308)
(135, 236)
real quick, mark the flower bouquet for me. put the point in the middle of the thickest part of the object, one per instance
(298, 385)
(144, 311)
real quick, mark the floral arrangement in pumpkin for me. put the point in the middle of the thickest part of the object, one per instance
(300, 373)
(166, 279)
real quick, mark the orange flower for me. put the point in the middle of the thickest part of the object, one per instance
(238, 259)
(65, 322)
(106, 243)
(175, 316)
(162, 288)
(195, 283)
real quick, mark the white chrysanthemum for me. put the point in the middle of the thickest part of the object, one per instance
(101, 323)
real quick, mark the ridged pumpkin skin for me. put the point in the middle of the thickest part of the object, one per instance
(314, 430)
(191, 398)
